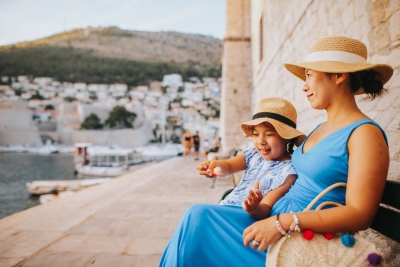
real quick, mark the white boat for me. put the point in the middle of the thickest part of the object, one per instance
(20, 149)
(105, 161)
(46, 187)
(160, 152)
(66, 149)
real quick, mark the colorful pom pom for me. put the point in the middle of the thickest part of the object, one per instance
(348, 240)
(374, 259)
(217, 170)
(328, 236)
(308, 234)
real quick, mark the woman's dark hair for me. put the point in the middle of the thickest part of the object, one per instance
(368, 80)
(291, 146)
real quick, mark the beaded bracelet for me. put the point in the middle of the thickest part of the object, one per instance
(295, 225)
(278, 225)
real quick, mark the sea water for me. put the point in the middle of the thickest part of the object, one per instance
(17, 169)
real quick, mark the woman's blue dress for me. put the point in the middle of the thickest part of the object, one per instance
(211, 235)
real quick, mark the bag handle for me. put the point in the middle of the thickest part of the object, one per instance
(320, 195)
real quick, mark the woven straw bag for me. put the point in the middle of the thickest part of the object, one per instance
(319, 251)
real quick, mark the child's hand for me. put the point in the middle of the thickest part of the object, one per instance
(207, 168)
(253, 198)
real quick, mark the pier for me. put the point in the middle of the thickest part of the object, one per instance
(126, 221)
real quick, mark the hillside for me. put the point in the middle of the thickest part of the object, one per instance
(113, 55)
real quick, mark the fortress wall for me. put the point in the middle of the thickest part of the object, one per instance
(124, 137)
(17, 128)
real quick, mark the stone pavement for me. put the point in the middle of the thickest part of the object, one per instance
(124, 222)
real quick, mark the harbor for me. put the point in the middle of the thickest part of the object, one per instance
(126, 221)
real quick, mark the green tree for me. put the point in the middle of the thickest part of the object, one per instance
(120, 118)
(18, 92)
(69, 99)
(93, 96)
(67, 64)
(92, 122)
(47, 107)
(36, 96)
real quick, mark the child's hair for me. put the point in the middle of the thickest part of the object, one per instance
(290, 146)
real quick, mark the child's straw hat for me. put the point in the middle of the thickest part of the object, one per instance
(277, 111)
(339, 54)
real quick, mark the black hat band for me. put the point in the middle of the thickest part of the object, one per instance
(275, 116)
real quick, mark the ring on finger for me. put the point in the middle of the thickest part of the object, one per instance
(255, 243)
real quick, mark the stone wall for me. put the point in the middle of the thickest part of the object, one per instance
(18, 128)
(290, 27)
(124, 137)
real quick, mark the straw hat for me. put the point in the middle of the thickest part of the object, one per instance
(277, 111)
(339, 54)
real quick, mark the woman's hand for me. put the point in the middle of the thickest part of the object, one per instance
(263, 232)
(253, 199)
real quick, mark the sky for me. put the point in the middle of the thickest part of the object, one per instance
(28, 20)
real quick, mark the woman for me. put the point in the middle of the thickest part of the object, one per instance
(187, 144)
(348, 147)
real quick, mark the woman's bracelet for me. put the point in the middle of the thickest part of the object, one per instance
(295, 225)
(278, 226)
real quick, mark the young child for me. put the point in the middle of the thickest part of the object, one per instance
(267, 161)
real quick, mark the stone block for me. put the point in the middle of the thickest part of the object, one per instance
(394, 82)
(394, 26)
(60, 259)
(383, 118)
(97, 244)
(396, 103)
(10, 262)
(148, 260)
(26, 243)
(394, 59)
(150, 246)
(6, 233)
(333, 13)
(394, 126)
(107, 260)
(126, 230)
(94, 227)
(391, 7)
(353, 30)
(360, 8)
(386, 100)
(381, 36)
(378, 12)
(343, 2)
(365, 104)
(114, 214)
(124, 206)
(348, 14)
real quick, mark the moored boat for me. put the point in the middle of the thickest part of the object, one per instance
(105, 161)
(46, 187)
